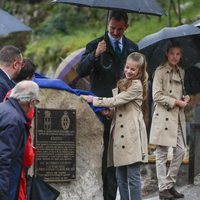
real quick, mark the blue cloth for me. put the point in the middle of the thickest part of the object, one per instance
(45, 82)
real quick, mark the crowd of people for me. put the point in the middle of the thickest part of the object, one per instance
(119, 79)
(121, 86)
(19, 95)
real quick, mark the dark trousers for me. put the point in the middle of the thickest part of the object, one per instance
(108, 173)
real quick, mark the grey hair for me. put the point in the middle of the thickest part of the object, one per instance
(25, 90)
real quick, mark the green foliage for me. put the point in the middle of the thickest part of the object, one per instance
(67, 19)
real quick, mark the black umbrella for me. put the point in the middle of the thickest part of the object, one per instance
(192, 79)
(10, 24)
(138, 6)
(196, 23)
(154, 46)
(38, 189)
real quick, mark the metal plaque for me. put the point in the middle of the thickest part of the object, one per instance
(55, 140)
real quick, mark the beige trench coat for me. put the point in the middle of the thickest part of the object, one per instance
(128, 138)
(167, 88)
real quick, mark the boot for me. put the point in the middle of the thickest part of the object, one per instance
(175, 193)
(165, 195)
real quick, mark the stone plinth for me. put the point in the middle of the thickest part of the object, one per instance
(89, 144)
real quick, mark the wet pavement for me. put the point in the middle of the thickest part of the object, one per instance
(191, 192)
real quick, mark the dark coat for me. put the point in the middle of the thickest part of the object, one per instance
(102, 80)
(13, 136)
(5, 85)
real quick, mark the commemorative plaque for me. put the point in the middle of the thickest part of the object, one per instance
(55, 140)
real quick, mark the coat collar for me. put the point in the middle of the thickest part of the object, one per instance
(170, 69)
(115, 91)
(14, 103)
(175, 75)
(122, 40)
(5, 77)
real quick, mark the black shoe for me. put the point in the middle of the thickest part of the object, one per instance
(165, 195)
(176, 194)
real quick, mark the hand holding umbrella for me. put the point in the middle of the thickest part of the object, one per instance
(101, 48)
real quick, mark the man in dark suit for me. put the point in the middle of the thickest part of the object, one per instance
(11, 62)
(103, 61)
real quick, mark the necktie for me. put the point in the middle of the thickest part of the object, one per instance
(117, 49)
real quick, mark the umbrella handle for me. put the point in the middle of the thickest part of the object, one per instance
(106, 62)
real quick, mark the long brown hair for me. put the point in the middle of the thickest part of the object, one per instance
(123, 84)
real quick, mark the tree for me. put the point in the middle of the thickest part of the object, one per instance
(174, 5)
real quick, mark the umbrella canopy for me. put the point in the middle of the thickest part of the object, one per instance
(192, 79)
(154, 46)
(10, 24)
(196, 23)
(138, 6)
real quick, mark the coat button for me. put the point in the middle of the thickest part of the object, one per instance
(120, 115)
(122, 126)
(166, 119)
(157, 114)
(166, 129)
(170, 91)
(123, 147)
(122, 136)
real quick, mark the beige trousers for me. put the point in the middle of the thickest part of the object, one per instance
(167, 179)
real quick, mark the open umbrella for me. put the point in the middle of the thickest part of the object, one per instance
(192, 79)
(154, 46)
(10, 24)
(138, 6)
(196, 23)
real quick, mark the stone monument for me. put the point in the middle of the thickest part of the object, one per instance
(89, 131)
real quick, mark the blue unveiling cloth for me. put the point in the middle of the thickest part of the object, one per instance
(45, 82)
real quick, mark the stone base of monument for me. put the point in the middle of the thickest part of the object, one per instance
(89, 145)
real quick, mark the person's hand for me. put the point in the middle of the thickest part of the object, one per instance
(107, 113)
(186, 98)
(88, 98)
(181, 103)
(101, 47)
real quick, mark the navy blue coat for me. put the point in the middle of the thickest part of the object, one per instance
(13, 136)
(102, 81)
(5, 85)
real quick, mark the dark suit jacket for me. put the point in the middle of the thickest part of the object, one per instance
(5, 85)
(104, 80)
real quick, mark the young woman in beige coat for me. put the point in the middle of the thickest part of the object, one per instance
(168, 127)
(128, 138)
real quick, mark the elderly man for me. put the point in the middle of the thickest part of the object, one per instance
(13, 136)
(11, 62)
